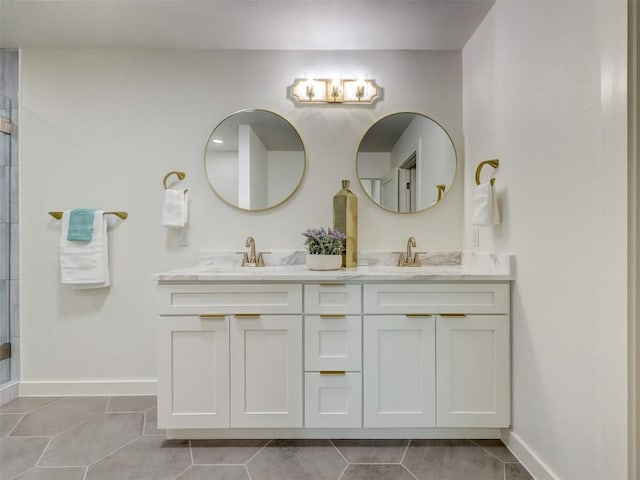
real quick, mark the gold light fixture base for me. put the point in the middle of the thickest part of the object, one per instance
(344, 91)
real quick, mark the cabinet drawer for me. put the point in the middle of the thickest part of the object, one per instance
(333, 343)
(437, 298)
(333, 400)
(229, 299)
(330, 298)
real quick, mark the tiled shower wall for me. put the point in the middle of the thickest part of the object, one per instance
(9, 304)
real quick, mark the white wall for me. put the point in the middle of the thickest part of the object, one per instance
(436, 145)
(544, 91)
(373, 164)
(285, 168)
(436, 158)
(102, 128)
(258, 177)
(222, 172)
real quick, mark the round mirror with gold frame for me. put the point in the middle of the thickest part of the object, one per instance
(406, 162)
(255, 160)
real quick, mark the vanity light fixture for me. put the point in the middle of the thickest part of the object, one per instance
(347, 91)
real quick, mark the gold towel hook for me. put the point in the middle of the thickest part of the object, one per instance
(441, 189)
(180, 175)
(494, 163)
(122, 215)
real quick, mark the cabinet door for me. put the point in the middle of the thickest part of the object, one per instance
(266, 371)
(399, 371)
(193, 372)
(473, 371)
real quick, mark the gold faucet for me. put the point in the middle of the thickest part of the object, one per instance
(409, 259)
(251, 260)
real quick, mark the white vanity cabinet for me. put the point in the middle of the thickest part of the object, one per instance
(361, 358)
(443, 360)
(230, 356)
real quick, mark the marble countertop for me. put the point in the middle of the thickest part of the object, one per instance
(373, 266)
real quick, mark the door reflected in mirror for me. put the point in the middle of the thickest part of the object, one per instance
(406, 162)
(254, 160)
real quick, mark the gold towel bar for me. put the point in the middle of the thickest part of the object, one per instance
(180, 175)
(122, 215)
(494, 163)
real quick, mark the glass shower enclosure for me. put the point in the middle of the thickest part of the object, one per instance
(5, 238)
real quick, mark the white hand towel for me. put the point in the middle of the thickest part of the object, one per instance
(85, 264)
(485, 206)
(175, 209)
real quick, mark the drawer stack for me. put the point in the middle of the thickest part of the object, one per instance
(333, 356)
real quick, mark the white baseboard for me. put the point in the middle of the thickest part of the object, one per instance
(527, 457)
(8, 392)
(99, 388)
(350, 433)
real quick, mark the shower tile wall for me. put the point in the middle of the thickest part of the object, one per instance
(9, 271)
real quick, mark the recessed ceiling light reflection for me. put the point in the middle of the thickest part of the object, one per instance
(217, 140)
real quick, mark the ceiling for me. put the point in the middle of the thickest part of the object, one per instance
(241, 24)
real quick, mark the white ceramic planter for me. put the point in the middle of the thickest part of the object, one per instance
(324, 262)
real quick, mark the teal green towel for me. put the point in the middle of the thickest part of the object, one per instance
(81, 224)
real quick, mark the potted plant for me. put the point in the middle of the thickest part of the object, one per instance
(325, 247)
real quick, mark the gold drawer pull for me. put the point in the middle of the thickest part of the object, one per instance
(247, 315)
(212, 316)
(453, 315)
(332, 315)
(411, 315)
(332, 372)
(332, 284)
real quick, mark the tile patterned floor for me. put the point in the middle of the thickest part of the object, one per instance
(116, 438)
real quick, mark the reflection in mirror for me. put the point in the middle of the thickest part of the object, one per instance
(255, 160)
(406, 162)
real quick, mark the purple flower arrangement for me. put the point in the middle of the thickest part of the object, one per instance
(325, 242)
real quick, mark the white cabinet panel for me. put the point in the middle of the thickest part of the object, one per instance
(473, 371)
(333, 400)
(331, 298)
(436, 298)
(266, 371)
(333, 343)
(399, 371)
(230, 298)
(193, 373)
